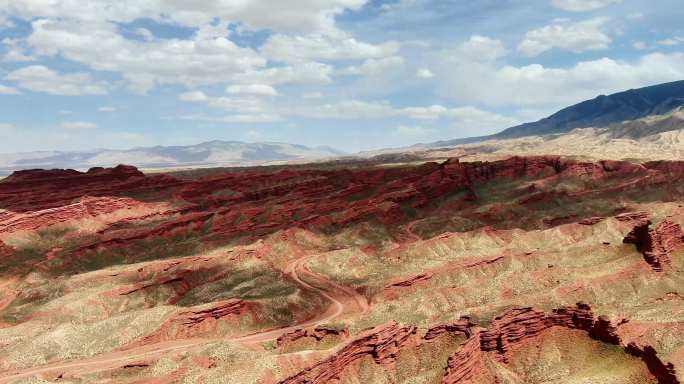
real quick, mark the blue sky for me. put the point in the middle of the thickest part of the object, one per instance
(351, 74)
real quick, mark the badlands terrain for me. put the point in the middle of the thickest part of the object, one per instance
(539, 269)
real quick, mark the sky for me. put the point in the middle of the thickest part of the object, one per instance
(351, 74)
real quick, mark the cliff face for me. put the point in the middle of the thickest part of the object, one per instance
(303, 260)
(518, 325)
(33, 190)
(656, 244)
(383, 344)
(468, 363)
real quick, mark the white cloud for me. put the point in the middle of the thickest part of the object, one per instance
(582, 5)
(425, 73)
(78, 125)
(308, 73)
(303, 16)
(16, 51)
(426, 113)
(292, 49)
(482, 48)
(534, 85)
(577, 37)
(671, 41)
(5, 90)
(304, 32)
(467, 116)
(252, 89)
(193, 96)
(640, 45)
(481, 121)
(145, 34)
(107, 109)
(39, 78)
(375, 67)
(345, 110)
(190, 62)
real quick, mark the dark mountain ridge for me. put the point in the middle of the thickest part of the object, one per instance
(598, 112)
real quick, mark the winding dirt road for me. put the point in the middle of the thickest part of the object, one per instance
(343, 300)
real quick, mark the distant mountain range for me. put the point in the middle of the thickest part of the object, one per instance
(213, 153)
(599, 112)
(645, 123)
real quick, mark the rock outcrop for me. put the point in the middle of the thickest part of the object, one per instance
(518, 325)
(656, 244)
(319, 333)
(194, 323)
(33, 190)
(383, 344)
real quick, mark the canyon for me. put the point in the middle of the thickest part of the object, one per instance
(523, 270)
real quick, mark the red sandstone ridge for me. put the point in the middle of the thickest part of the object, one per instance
(318, 334)
(518, 325)
(194, 323)
(382, 344)
(83, 208)
(656, 244)
(38, 189)
(411, 282)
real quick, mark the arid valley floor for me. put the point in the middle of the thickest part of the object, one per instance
(523, 270)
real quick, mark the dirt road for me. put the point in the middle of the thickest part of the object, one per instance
(343, 300)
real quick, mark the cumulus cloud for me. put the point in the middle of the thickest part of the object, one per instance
(39, 78)
(295, 48)
(534, 85)
(577, 37)
(671, 41)
(193, 96)
(582, 5)
(308, 73)
(107, 109)
(345, 110)
(252, 89)
(303, 16)
(190, 62)
(482, 48)
(303, 34)
(375, 67)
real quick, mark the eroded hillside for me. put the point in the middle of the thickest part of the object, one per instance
(526, 270)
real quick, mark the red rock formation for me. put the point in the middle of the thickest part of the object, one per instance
(34, 190)
(656, 244)
(460, 327)
(639, 217)
(318, 334)
(194, 323)
(383, 344)
(412, 281)
(518, 325)
(5, 250)
(83, 208)
(672, 167)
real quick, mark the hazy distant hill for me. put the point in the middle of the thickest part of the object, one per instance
(204, 154)
(654, 137)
